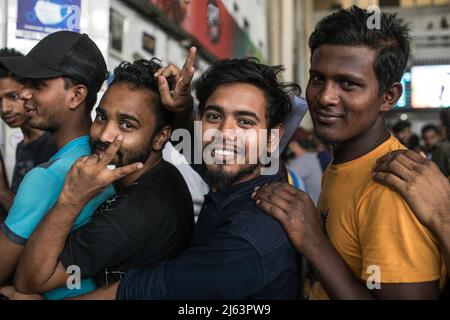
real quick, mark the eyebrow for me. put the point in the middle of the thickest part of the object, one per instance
(236, 113)
(247, 113)
(122, 116)
(100, 109)
(11, 93)
(129, 117)
(341, 75)
(214, 108)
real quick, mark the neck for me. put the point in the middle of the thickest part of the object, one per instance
(152, 161)
(250, 177)
(30, 134)
(361, 145)
(71, 130)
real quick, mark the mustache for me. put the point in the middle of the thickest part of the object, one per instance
(98, 145)
(102, 146)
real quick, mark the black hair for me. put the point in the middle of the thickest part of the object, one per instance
(431, 127)
(414, 142)
(400, 126)
(140, 75)
(278, 95)
(5, 73)
(91, 98)
(349, 27)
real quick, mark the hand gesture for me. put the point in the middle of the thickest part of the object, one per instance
(89, 176)
(178, 98)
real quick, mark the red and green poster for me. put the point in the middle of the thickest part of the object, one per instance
(209, 22)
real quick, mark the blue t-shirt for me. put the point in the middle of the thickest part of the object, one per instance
(39, 192)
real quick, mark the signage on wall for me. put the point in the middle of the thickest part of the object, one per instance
(148, 43)
(209, 22)
(37, 18)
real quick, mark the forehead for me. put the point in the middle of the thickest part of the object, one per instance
(340, 59)
(120, 98)
(237, 97)
(8, 84)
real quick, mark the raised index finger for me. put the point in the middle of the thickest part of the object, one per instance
(190, 60)
(111, 151)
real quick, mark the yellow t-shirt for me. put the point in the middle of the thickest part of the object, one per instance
(373, 228)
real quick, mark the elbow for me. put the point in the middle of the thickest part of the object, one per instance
(25, 283)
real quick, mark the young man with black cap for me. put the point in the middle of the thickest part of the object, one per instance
(64, 72)
(36, 147)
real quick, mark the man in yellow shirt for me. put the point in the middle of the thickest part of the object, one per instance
(368, 244)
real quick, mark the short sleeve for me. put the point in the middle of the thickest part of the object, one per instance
(37, 194)
(96, 245)
(393, 240)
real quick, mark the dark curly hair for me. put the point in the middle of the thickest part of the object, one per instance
(349, 27)
(4, 73)
(251, 71)
(140, 75)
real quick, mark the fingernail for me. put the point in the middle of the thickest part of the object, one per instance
(253, 195)
(258, 202)
(257, 188)
(119, 137)
(140, 165)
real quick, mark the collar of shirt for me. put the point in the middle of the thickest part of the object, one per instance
(225, 197)
(70, 145)
(142, 181)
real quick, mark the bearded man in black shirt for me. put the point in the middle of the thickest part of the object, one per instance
(150, 218)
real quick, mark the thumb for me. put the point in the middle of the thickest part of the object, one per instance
(122, 172)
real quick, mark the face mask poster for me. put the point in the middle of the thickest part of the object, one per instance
(37, 18)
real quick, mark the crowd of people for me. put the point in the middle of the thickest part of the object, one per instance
(113, 208)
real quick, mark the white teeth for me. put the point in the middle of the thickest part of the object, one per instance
(225, 153)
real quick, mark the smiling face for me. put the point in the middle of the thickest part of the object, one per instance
(12, 110)
(236, 112)
(130, 113)
(343, 92)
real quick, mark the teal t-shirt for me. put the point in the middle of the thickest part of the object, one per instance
(39, 192)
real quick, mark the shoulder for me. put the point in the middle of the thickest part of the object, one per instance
(164, 190)
(42, 174)
(166, 180)
(261, 230)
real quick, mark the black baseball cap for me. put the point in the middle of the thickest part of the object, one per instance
(62, 54)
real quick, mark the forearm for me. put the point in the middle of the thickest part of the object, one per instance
(335, 276)
(442, 233)
(41, 254)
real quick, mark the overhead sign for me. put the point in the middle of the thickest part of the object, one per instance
(37, 18)
(209, 22)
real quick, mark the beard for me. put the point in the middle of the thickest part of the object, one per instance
(50, 124)
(220, 180)
(124, 159)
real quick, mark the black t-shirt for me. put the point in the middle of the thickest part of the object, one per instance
(30, 155)
(145, 223)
